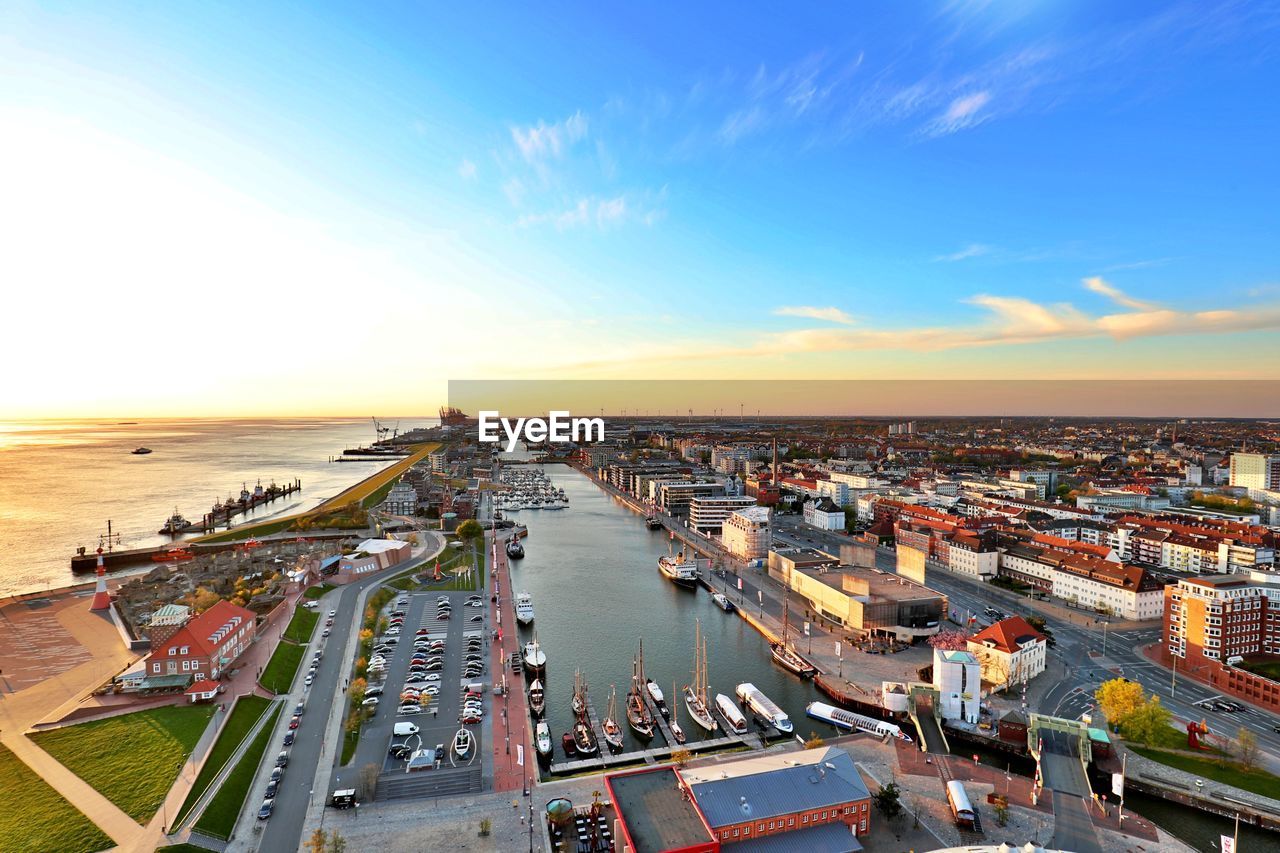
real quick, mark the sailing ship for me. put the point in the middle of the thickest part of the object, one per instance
(579, 694)
(535, 659)
(695, 695)
(584, 738)
(783, 655)
(612, 731)
(542, 736)
(676, 731)
(638, 716)
(537, 698)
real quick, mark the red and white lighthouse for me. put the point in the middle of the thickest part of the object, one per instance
(101, 599)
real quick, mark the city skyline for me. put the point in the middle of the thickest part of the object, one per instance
(268, 212)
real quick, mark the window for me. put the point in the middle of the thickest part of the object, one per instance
(746, 830)
(791, 821)
(824, 815)
(804, 819)
(735, 832)
(173, 650)
(185, 649)
(186, 666)
(770, 825)
(155, 667)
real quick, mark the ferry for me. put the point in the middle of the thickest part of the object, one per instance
(731, 714)
(542, 734)
(722, 601)
(680, 573)
(764, 707)
(515, 551)
(524, 608)
(537, 698)
(840, 718)
(176, 524)
(462, 742)
(535, 659)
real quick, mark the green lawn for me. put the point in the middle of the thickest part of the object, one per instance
(247, 711)
(36, 817)
(1257, 781)
(314, 592)
(302, 625)
(220, 815)
(283, 666)
(131, 760)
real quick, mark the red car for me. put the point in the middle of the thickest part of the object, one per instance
(293, 724)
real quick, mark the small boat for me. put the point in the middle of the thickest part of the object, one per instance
(655, 693)
(612, 731)
(676, 570)
(584, 738)
(783, 655)
(764, 707)
(542, 736)
(462, 743)
(140, 451)
(524, 608)
(695, 695)
(722, 601)
(570, 747)
(515, 550)
(731, 714)
(176, 524)
(537, 698)
(535, 659)
(579, 702)
(638, 716)
(653, 522)
(676, 731)
(172, 554)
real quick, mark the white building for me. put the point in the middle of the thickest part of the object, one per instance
(401, 500)
(957, 676)
(823, 514)
(746, 533)
(837, 491)
(1255, 471)
(708, 514)
(968, 554)
(1011, 652)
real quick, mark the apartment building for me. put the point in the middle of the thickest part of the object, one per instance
(823, 514)
(746, 533)
(1255, 471)
(707, 514)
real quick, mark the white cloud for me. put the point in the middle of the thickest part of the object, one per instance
(467, 170)
(1097, 285)
(964, 111)
(549, 141)
(603, 213)
(973, 250)
(829, 314)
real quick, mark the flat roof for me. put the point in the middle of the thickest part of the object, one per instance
(882, 585)
(824, 838)
(767, 787)
(656, 810)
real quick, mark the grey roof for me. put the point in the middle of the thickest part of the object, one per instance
(824, 838)
(655, 812)
(784, 790)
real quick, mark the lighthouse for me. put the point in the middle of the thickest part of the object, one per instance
(101, 600)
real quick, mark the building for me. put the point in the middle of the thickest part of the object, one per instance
(957, 676)
(973, 554)
(837, 491)
(871, 603)
(1255, 471)
(823, 514)
(202, 649)
(708, 514)
(371, 555)
(674, 498)
(746, 533)
(1211, 623)
(165, 622)
(401, 500)
(1010, 652)
(656, 813)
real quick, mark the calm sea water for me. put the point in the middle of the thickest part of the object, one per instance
(592, 571)
(61, 480)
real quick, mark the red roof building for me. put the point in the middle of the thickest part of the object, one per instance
(207, 645)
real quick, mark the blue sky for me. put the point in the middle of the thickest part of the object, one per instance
(980, 189)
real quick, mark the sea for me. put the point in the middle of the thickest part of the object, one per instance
(61, 480)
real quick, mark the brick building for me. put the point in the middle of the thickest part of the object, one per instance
(206, 646)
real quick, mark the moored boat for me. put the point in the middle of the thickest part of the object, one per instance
(764, 707)
(681, 573)
(722, 601)
(840, 718)
(537, 698)
(655, 693)
(462, 743)
(695, 695)
(524, 608)
(783, 655)
(731, 714)
(638, 716)
(515, 550)
(176, 524)
(612, 731)
(535, 659)
(542, 738)
(568, 744)
(584, 738)
(173, 554)
(673, 723)
(141, 451)
(653, 522)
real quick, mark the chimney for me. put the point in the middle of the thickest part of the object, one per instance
(775, 461)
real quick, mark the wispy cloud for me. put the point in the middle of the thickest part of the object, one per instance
(830, 314)
(549, 141)
(964, 111)
(1097, 285)
(467, 170)
(973, 250)
(601, 213)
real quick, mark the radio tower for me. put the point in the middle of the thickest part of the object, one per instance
(101, 599)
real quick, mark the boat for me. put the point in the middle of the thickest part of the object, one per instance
(570, 747)
(176, 524)
(515, 551)
(695, 695)
(542, 738)
(524, 608)
(655, 693)
(537, 698)
(584, 738)
(172, 554)
(462, 743)
(785, 656)
(535, 659)
(675, 569)
(612, 731)
(579, 703)
(764, 707)
(731, 714)
(676, 731)
(722, 601)
(638, 716)
(140, 451)
(653, 522)
(842, 719)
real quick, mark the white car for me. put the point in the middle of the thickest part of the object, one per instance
(309, 679)
(371, 702)
(332, 613)
(405, 710)
(431, 676)
(431, 689)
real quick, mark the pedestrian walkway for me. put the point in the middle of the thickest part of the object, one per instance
(511, 715)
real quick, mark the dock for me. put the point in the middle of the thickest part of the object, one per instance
(653, 755)
(604, 756)
(658, 720)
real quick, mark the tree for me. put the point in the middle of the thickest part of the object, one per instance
(337, 844)
(888, 800)
(1038, 622)
(1118, 698)
(850, 519)
(681, 756)
(1146, 722)
(950, 640)
(470, 530)
(317, 842)
(1247, 748)
(815, 741)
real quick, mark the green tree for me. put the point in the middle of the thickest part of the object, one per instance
(470, 530)
(1145, 723)
(337, 844)
(888, 800)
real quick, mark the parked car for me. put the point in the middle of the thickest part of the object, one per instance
(283, 758)
(293, 724)
(265, 811)
(326, 632)
(405, 710)
(272, 789)
(288, 738)
(370, 702)
(309, 679)
(400, 751)
(373, 690)
(297, 709)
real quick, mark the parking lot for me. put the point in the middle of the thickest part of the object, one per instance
(440, 656)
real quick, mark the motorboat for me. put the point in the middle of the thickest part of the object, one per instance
(462, 743)
(722, 601)
(524, 608)
(515, 550)
(542, 739)
(764, 707)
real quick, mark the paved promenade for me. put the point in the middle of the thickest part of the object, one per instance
(510, 716)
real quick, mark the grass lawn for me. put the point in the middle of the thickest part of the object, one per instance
(1257, 781)
(302, 625)
(220, 815)
(131, 760)
(317, 591)
(283, 666)
(36, 817)
(247, 711)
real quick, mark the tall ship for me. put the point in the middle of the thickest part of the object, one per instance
(612, 731)
(678, 570)
(638, 716)
(764, 707)
(524, 608)
(537, 698)
(783, 654)
(695, 694)
(535, 659)
(731, 714)
(579, 702)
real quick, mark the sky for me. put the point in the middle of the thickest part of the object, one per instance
(324, 209)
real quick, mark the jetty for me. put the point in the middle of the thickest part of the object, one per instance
(658, 720)
(652, 755)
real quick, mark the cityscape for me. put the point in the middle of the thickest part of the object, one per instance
(586, 428)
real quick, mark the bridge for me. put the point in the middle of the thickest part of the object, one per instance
(920, 704)
(1062, 751)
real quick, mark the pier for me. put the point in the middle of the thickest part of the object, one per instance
(652, 755)
(212, 520)
(658, 720)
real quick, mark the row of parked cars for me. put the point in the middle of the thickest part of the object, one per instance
(282, 759)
